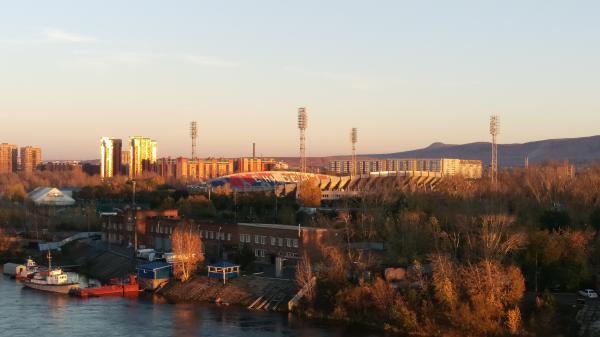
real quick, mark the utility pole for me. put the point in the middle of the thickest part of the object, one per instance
(235, 204)
(354, 139)
(133, 218)
(494, 129)
(219, 243)
(275, 195)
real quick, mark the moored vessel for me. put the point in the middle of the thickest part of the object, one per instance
(114, 288)
(52, 280)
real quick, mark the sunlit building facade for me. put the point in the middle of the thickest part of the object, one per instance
(9, 155)
(142, 155)
(110, 157)
(445, 166)
(31, 159)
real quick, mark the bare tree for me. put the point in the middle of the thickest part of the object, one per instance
(187, 250)
(304, 277)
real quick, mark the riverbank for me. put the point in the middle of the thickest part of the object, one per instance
(243, 291)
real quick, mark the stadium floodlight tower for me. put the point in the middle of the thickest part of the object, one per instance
(494, 130)
(194, 136)
(302, 125)
(354, 140)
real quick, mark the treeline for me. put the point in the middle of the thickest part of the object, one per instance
(470, 250)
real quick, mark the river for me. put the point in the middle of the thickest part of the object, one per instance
(27, 312)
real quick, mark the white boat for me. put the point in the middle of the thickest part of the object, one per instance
(28, 270)
(52, 280)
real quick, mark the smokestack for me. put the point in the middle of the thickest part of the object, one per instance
(253, 150)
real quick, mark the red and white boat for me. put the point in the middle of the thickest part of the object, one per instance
(53, 280)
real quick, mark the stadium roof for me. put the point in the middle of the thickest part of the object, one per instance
(263, 180)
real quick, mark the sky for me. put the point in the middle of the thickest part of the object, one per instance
(405, 73)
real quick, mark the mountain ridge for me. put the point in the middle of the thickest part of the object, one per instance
(576, 150)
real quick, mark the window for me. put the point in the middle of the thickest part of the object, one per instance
(211, 235)
(228, 236)
(290, 254)
(256, 239)
(259, 252)
(273, 241)
(295, 243)
(262, 239)
(288, 242)
(280, 242)
(245, 238)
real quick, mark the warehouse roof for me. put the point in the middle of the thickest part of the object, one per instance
(50, 196)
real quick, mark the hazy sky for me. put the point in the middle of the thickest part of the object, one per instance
(406, 73)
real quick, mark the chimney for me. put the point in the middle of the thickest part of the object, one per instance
(253, 150)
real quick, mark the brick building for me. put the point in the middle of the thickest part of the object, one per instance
(118, 229)
(221, 240)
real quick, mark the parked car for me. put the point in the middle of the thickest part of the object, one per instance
(588, 293)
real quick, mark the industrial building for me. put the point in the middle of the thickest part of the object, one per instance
(220, 240)
(472, 169)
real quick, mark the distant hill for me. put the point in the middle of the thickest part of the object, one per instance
(577, 150)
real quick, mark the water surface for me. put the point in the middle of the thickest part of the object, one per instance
(27, 312)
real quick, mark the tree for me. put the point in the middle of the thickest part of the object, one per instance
(15, 192)
(5, 241)
(246, 258)
(187, 251)
(304, 277)
(309, 193)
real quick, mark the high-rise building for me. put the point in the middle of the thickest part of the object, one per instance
(31, 158)
(9, 155)
(110, 157)
(142, 155)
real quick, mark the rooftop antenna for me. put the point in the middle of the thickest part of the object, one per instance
(494, 130)
(354, 139)
(302, 125)
(194, 136)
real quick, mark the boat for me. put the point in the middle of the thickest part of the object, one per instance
(115, 287)
(53, 280)
(27, 270)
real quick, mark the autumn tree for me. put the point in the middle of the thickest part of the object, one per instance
(5, 241)
(187, 251)
(309, 193)
(305, 277)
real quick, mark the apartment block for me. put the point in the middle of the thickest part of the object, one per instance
(31, 159)
(9, 155)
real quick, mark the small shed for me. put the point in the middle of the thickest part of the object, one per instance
(223, 270)
(154, 275)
